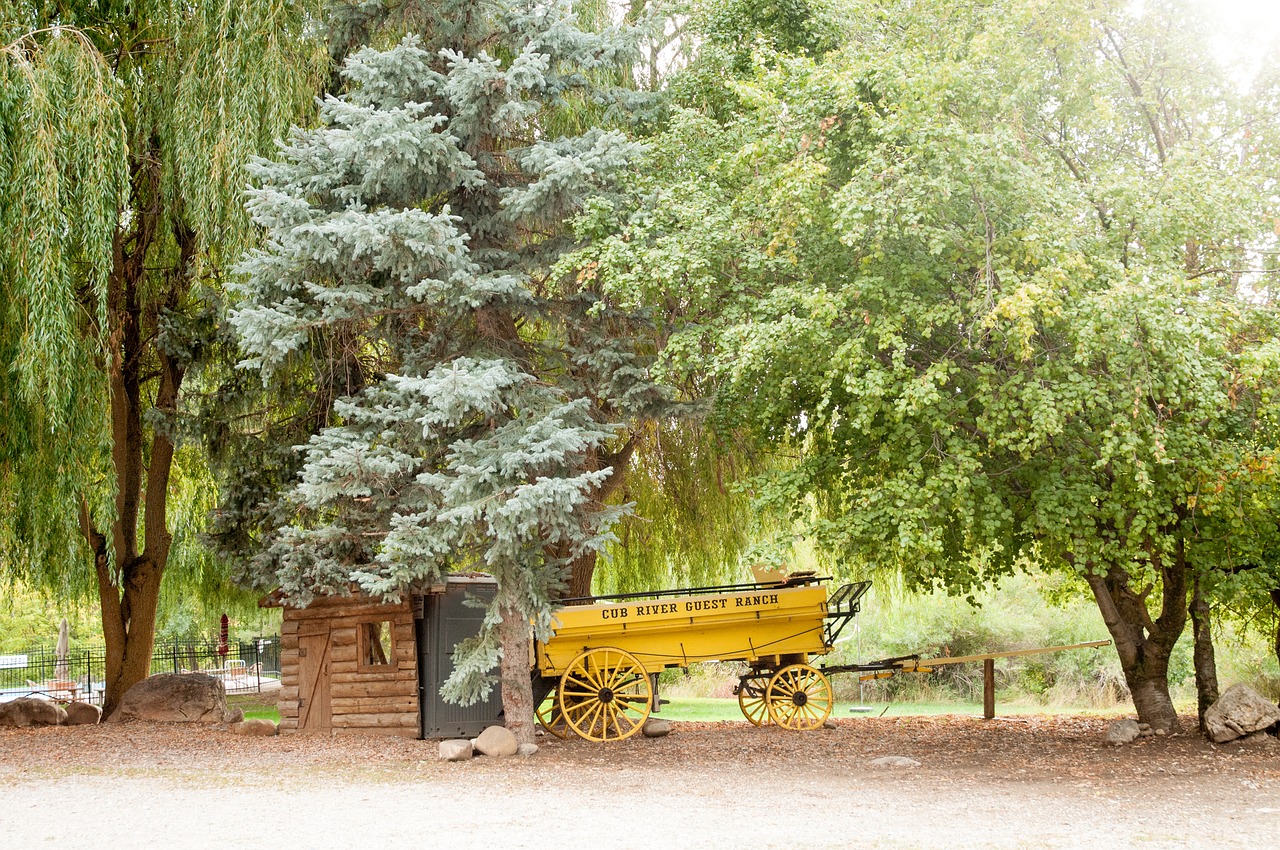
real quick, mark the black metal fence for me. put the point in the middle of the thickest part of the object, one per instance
(243, 666)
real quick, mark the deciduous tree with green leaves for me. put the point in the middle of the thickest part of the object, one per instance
(124, 130)
(994, 292)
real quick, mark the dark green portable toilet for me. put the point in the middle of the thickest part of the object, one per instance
(447, 619)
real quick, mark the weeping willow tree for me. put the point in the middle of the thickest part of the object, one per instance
(124, 130)
(694, 519)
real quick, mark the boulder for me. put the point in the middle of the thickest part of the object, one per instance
(656, 727)
(175, 698)
(32, 711)
(83, 714)
(1123, 732)
(233, 715)
(1238, 712)
(256, 727)
(1257, 739)
(496, 741)
(457, 750)
(894, 761)
(526, 750)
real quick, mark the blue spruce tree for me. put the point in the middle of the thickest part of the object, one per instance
(478, 401)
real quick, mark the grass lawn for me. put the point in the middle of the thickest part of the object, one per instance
(267, 713)
(704, 708)
(254, 707)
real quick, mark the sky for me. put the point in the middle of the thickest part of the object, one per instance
(1244, 30)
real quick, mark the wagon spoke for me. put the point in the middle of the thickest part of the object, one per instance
(594, 674)
(576, 709)
(550, 715)
(599, 718)
(613, 715)
(630, 681)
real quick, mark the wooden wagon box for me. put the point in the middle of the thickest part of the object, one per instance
(750, 625)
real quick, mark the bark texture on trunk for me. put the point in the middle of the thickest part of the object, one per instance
(130, 558)
(1275, 599)
(582, 571)
(517, 683)
(1145, 644)
(1203, 656)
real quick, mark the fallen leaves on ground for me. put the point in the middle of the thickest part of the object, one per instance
(1059, 749)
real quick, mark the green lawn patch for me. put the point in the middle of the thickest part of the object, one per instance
(712, 709)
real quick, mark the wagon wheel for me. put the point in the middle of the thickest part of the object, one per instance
(605, 695)
(751, 698)
(799, 698)
(551, 717)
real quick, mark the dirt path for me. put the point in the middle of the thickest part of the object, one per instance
(1039, 783)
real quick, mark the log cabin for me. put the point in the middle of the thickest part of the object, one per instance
(359, 665)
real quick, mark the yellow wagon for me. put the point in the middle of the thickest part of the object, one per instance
(596, 676)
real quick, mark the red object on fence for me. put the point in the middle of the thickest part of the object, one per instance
(223, 635)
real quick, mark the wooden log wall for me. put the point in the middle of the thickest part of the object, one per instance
(362, 700)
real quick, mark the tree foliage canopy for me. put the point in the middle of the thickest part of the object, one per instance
(95, 97)
(124, 132)
(478, 397)
(1003, 295)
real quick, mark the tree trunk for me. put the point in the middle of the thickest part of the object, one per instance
(583, 567)
(583, 570)
(516, 666)
(1275, 599)
(129, 626)
(1205, 665)
(1143, 644)
(129, 578)
(130, 595)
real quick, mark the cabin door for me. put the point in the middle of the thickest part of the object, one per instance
(314, 711)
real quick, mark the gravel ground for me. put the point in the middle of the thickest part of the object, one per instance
(1038, 782)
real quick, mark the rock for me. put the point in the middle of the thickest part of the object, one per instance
(233, 715)
(175, 697)
(829, 724)
(656, 727)
(1123, 732)
(32, 711)
(526, 750)
(496, 741)
(1257, 739)
(455, 750)
(83, 714)
(255, 727)
(1238, 712)
(894, 761)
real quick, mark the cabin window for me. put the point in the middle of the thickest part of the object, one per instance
(375, 645)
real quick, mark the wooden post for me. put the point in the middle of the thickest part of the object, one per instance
(988, 688)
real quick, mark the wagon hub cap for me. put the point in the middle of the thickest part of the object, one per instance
(799, 698)
(605, 695)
